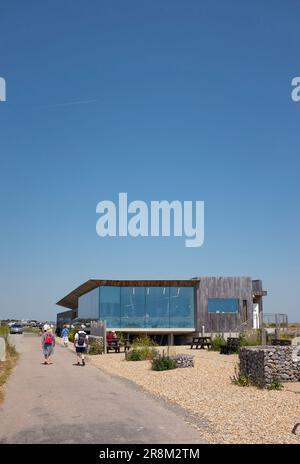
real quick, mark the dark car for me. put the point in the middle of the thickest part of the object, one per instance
(16, 329)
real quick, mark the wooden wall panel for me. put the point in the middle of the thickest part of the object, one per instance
(223, 287)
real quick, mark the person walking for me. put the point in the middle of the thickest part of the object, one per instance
(81, 343)
(46, 326)
(48, 343)
(65, 336)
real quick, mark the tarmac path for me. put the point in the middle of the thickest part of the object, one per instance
(66, 403)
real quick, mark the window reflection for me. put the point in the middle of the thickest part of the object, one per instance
(147, 307)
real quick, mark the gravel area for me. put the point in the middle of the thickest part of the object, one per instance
(234, 414)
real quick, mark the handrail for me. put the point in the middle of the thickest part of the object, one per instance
(239, 327)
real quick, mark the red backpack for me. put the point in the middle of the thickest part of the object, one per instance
(48, 339)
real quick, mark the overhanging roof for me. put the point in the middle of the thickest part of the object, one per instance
(71, 300)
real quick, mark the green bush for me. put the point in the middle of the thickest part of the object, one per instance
(141, 353)
(96, 347)
(249, 340)
(72, 335)
(163, 363)
(240, 379)
(4, 330)
(275, 385)
(143, 341)
(134, 355)
(217, 342)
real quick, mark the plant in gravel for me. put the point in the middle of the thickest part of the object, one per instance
(275, 385)
(96, 346)
(216, 343)
(163, 363)
(141, 353)
(134, 355)
(143, 341)
(251, 339)
(142, 348)
(239, 378)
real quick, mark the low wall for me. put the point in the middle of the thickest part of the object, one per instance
(2, 350)
(184, 360)
(263, 364)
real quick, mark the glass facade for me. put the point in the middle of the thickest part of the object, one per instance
(147, 307)
(223, 305)
(110, 305)
(88, 305)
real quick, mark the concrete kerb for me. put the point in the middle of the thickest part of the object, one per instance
(2, 350)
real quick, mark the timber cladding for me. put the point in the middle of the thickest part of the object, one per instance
(224, 287)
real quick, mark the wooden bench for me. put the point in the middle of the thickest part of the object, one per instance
(202, 342)
(232, 346)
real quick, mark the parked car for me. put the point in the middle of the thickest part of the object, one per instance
(16, 329)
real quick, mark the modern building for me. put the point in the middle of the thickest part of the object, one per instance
(174, 307)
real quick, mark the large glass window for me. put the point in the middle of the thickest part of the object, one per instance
(88, 305)
(157, 307)
(181, 307)
(223, 305)
(147, 307)
(110, 308)
(132, 306)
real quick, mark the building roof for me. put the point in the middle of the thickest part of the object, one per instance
(71, 300)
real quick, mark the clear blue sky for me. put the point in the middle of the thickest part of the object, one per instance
(192, 103)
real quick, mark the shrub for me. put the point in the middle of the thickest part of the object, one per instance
(217, 342)
(142, 349)
(134, 355)
(163, 363)
(240, 379)
(141, 353)
(72, 335)
(4, 330)
(143, 341)
(275, 385)
(96, 346)
(249, 340)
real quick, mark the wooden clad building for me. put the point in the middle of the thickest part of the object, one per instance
(209, 304)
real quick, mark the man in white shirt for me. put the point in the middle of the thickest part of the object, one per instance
(81, 343)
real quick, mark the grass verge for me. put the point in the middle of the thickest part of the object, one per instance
(7, 366)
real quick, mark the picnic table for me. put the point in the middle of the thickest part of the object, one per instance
(202, 342)
(281, 342)
(113, 345)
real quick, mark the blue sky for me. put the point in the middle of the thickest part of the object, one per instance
(191, 100)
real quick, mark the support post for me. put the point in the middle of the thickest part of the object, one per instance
(171, 339)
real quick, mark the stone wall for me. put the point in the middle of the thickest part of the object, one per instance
(263, 364)
(184, 360)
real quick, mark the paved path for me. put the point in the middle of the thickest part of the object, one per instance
(64, 403)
